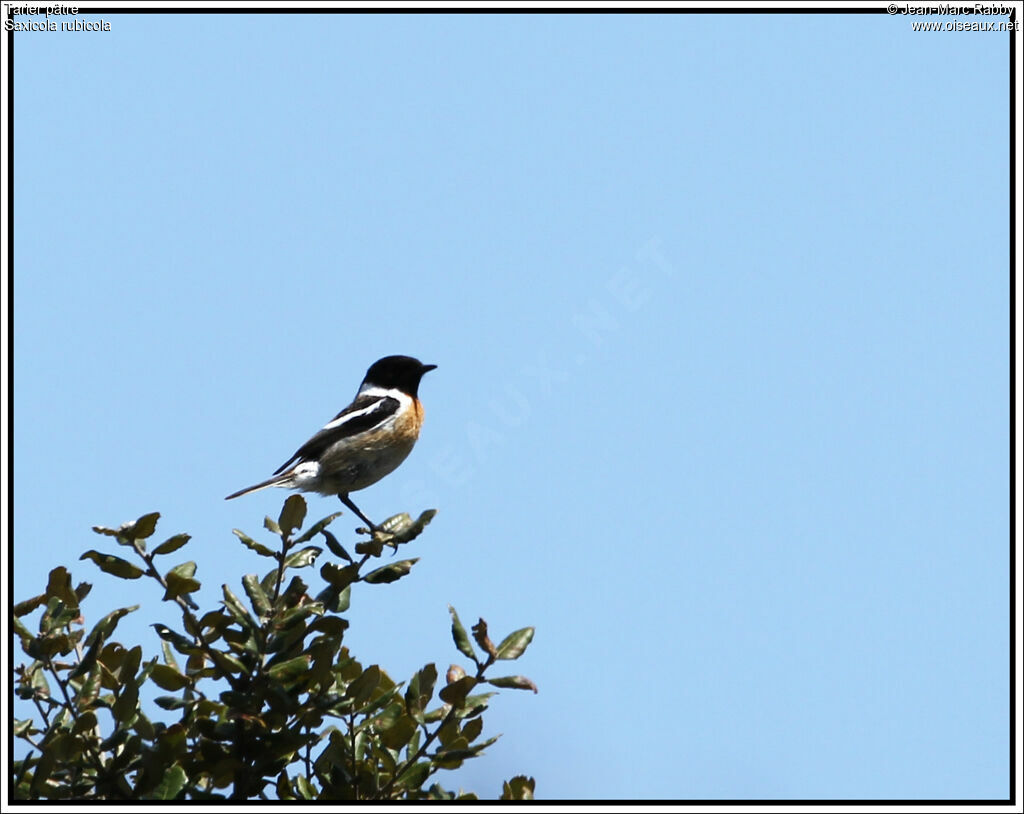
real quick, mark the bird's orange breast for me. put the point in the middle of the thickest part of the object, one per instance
(407, 425)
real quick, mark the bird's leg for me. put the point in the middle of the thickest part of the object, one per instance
(344, 499)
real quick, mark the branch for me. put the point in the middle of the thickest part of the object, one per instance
(433, 735)
(73, 711)
(186, 609)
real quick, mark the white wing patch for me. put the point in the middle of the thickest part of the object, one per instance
(306, 474)
(354, 414)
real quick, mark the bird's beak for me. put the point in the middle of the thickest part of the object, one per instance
(425, 368)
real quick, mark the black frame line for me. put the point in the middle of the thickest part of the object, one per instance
(1010, 800)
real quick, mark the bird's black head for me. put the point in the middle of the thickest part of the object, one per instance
(401, 372)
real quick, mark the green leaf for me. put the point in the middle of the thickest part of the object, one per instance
(514, 645)
(420, 691)
(172, 544)
(302, 558)
(460, 636)
(415, 776)
(23, 632)
(82, 590)
(292, 595)
(40, 684)
(304, 788)
(387, 761)
(144, 526)
(59, 585)
(336, 548)
(237, 609)
(338, 576)
(118, 737)
(289, 672)
(456, 692)
(130, 664)
(88, 660)
(284, 787)
(413, 746)
(292, 514)
(139, 530)
(179, 642)
(475, 705)
(110, 564)
(90, 689)
(56, 615)
(402, 529)
(173, 782)
(259, 548)
(270, 525)
(471, 731)
(362, 688)
(53, 644)
(126, 706)
(179, 580)
(372, 547)
(513, 682)
(519, 787)
(416, 528)
(43, 770)
(105, 626)
(144, 727)
(385, 695)
(167, 678)
(257, 596)
(317, 527)
(27, 606)
(396, 524)
(461, 750)
(170, 702)
(331, 626)
(398, 733)
(86, 721)
(169, 659)
(295, 615)
(227, 663)
(448, 732)
(360, 745)
(390, 573)
(334, 599)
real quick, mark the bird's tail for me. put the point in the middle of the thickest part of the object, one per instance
(277, 480)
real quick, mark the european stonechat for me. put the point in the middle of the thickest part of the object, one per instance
(365, 441)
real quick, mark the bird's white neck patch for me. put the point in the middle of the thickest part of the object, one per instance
(381, 392)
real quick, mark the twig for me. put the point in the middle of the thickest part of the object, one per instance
(352, 734)
(46, 718)
(285, 544)
(186, 603)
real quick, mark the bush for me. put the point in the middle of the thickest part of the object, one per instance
(272, 705)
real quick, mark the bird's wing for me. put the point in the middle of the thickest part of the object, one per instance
(363, 414)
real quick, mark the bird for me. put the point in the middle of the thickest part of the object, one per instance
(364, 442)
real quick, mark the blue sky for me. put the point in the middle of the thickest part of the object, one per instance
(719, 308)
